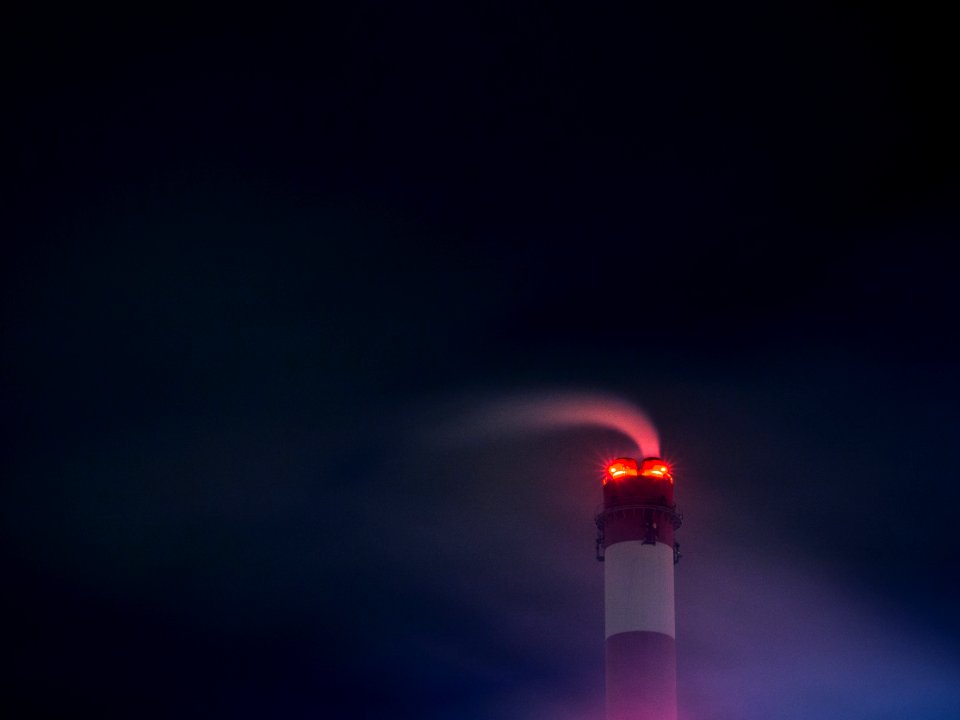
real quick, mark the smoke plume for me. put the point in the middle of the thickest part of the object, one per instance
(543, 411)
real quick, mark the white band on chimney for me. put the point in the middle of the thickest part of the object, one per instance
(638, 584)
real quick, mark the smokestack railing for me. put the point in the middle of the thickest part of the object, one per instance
(674, 515)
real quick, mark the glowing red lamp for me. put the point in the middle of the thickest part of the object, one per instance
(619, 469)
(656, 468)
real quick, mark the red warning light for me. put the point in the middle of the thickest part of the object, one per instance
(620, 468)
(656, 468)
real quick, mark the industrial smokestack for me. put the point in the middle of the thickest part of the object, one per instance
(636, 542)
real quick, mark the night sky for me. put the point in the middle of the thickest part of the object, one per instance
(261, 270)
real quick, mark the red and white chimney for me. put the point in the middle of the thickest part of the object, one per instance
(636, 542)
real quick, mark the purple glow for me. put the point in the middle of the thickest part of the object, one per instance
(764, 629)
(767, 625)
(759, 637)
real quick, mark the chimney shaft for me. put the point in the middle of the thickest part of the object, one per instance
(636, 543)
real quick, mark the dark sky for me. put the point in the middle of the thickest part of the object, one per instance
(255, 260)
